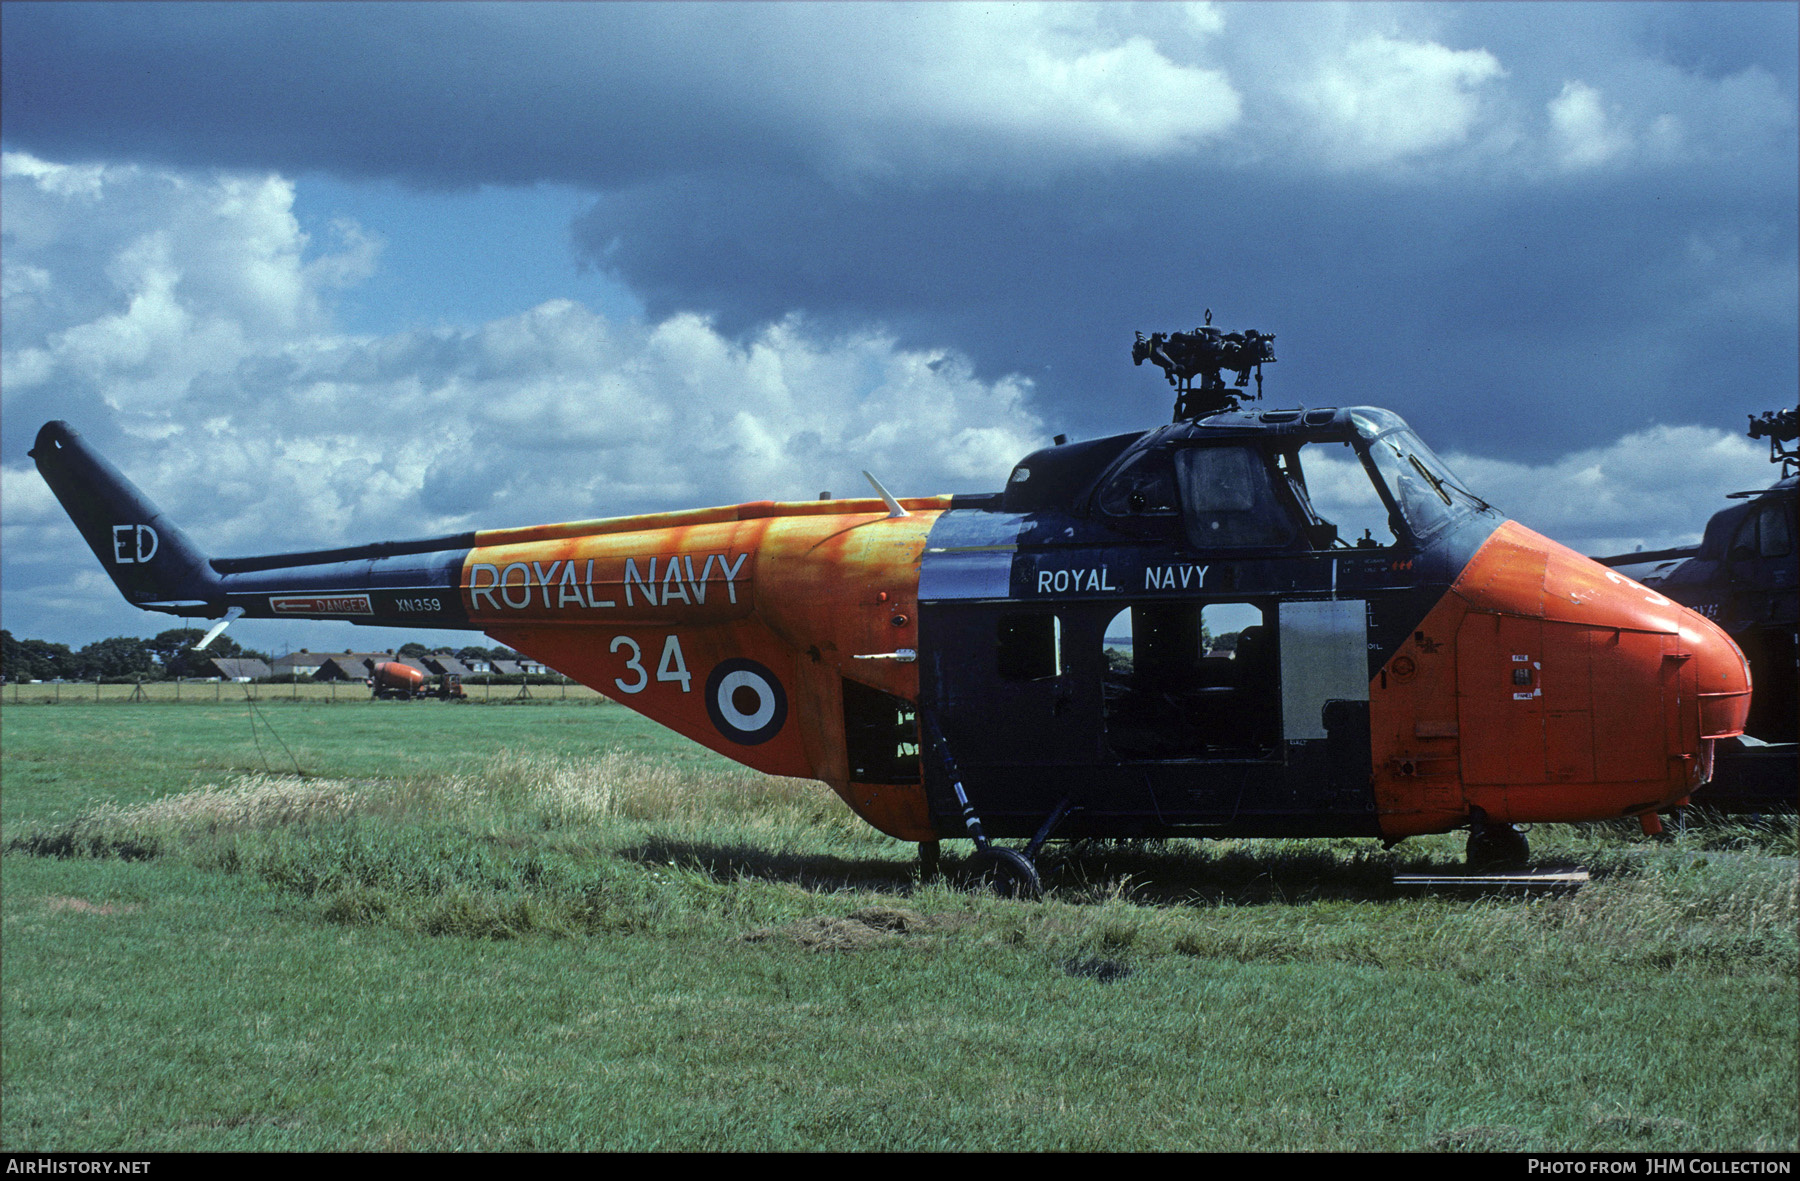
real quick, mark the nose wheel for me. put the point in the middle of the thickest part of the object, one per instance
(1007, 872)
(1495, 846)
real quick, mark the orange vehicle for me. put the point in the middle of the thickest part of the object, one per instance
(390, 678)
(396, 679)
(1162, 633)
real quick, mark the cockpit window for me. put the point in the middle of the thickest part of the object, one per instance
(1359, 492)
(1371, 422)
(1228, 499)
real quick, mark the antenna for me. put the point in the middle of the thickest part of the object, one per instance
(894, 509)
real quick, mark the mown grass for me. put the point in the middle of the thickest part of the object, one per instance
(552, 927)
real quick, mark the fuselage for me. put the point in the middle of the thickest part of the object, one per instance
(1162, 633)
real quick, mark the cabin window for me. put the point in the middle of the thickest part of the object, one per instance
(1766, 532)
(1228, 499)
(1743, 542)
(1188, 680)
(1145, 486)
(1029, 646)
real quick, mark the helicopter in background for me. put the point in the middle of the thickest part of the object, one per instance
(1743, 575)
(1292, 622)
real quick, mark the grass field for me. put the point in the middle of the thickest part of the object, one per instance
(534, 924)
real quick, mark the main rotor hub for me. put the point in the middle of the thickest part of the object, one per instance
(1202, 353)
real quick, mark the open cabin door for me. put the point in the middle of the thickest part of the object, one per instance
(1325, 694)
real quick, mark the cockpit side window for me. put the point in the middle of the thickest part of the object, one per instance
(1228, 499)
(1776, 529)
(1343, 496)
(1765, 532)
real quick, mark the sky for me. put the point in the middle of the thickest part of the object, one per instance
(318, 275)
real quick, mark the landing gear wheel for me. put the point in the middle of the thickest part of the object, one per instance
(928, 861)
(1007, 872)
(1497, 846)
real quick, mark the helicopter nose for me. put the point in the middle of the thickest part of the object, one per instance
(1721, 680)
(1632, 692)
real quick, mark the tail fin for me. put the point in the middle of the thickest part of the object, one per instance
(150, 559)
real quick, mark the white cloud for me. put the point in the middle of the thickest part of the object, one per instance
(1583, 135)
(982, 88)
(1507, 93)
(1653, 488)
(141, 281)
(1385, 99)
(259, 428)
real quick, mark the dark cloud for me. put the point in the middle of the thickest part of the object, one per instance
(436, 96)
(1536, 321)
(1527, 227)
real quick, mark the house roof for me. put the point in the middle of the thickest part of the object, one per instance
(233, 667)
(357, 665)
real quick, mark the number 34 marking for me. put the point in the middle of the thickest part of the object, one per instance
(672, 667)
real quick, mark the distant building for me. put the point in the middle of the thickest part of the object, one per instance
(306, 664)
(448, 666)
(355, 666)
(231, 668)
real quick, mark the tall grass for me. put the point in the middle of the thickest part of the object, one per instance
(632, 946)
(557, 845)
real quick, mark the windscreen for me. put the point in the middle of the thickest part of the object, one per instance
(1427, 494)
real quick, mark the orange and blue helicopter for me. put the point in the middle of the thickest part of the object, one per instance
(1162, 633)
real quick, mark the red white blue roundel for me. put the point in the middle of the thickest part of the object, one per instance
(745, 701)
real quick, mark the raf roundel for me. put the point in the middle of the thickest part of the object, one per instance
(745, 701)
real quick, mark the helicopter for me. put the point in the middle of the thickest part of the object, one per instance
(1165, 633)
(1743, 575)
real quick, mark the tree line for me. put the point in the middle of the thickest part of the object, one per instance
(163, 657)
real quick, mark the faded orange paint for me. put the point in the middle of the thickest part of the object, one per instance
(803, 589)
(1545, 687)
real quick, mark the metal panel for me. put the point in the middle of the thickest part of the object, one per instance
(1500, 698)
(966, 576)
(969, 555)
(1324, 657)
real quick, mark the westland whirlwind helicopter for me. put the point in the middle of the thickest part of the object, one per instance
(1164, 633)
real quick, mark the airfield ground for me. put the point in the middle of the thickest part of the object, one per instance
(543, 924)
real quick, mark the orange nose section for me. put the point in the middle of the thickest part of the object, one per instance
(1581, 693)
(1722, 678)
